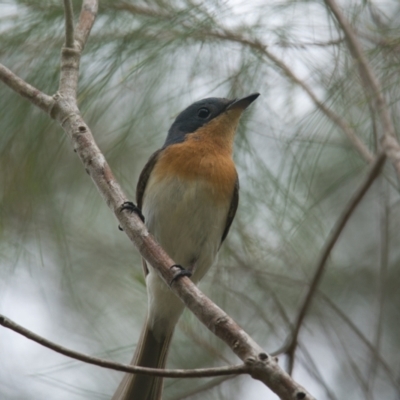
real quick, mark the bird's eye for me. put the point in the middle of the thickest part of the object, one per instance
(203, 112)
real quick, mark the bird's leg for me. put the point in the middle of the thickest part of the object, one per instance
(179, 273)
(128, 205)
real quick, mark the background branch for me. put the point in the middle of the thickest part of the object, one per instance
(167, 373)
(86, 20)
(330, 243)
(69, 24)
(35, 96)
(70, 55)
(389, 141)
(374, 353)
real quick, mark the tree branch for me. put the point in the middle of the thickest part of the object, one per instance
(389, 141)
(86, 21)
(384, 200)
(70, 55)
(379, 358)
(69, 24)
(373, 173)
(167, 373)
(35, 96)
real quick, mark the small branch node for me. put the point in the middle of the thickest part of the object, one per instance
(71, 51)
(221, 320)
(250, 361)
(66, 118)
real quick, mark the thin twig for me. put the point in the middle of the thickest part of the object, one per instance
(381, 284)
(86, 21)
(379, 358)
(366, 73)
(35, 96)
(200, 389)
(305, 45)
(389, 141)
(167, 373)
(316, 372)
(332, 239)
(69, 24)
(353, 365)
(70, 55)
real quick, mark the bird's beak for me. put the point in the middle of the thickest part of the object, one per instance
(243, 103)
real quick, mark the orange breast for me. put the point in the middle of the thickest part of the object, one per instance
(200, 158)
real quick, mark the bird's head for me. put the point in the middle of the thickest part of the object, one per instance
(216, 117)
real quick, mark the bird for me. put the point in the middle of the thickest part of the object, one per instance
(187, 194)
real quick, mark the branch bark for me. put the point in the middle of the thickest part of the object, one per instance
(69, 24)
(35, 96)
(168, 373)
(64, 109)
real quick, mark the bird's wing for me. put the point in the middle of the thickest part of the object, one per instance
(141, 187)
(232, 209)
(144, 177)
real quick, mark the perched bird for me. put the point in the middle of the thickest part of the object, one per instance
(188, 193)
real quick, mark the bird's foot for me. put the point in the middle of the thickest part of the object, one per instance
(179, 273)
(128, 205)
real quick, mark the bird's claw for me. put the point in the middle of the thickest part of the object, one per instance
(133, 208)
(181, 272)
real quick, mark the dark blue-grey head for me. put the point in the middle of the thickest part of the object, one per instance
(200, 113)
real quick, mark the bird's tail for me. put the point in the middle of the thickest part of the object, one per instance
(151, 352)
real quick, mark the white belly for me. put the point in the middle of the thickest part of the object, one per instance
(189, 226)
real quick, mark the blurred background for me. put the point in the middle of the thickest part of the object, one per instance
(68, 274)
